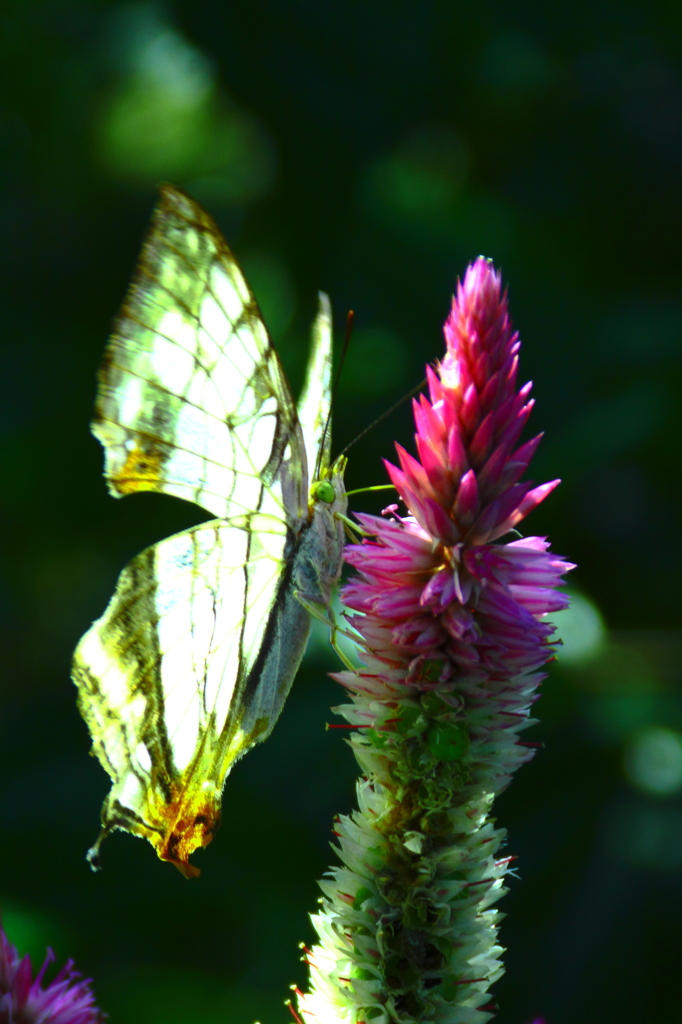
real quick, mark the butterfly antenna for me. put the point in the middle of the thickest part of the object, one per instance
(350, 318)
(385, 415)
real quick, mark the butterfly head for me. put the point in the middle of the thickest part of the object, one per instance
(329, 488)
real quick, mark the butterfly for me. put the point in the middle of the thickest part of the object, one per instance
(191, 662)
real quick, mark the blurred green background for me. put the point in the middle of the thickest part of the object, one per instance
(370, 149)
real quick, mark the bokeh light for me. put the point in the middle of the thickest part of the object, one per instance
(423, 177)
(164, 116)
(581, 630)
(653, 761)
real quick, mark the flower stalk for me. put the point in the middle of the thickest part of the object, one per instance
(452, 621)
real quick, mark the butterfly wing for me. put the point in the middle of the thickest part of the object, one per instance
(192, 399)
(315, 401)
(188, 668)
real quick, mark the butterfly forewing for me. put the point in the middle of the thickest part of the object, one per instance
(314, 403)
(192, 399)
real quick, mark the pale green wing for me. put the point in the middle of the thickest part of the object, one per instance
(189, 667)
(315, 400)
(192, 399)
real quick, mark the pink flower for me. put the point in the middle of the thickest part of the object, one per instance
(452, 616)
(23, 1000)
(439, 583)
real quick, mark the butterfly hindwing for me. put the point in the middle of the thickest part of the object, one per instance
(176, 680)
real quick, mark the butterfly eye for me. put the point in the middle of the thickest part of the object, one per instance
(323, 491)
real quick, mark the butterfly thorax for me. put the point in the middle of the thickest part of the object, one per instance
(317, 565)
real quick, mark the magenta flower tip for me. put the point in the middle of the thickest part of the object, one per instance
(67, 999)
(464, 495)
(468, 463)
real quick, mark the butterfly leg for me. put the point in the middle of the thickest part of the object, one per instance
(353, 532)
(324, 614)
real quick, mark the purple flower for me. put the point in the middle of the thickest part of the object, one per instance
(24, 1000)
(452, 621)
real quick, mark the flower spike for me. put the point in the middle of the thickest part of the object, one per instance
(454, 626)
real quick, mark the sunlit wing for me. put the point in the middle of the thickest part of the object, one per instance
(185, 671)
(315, 400)
(192, 400)
(192, 661)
